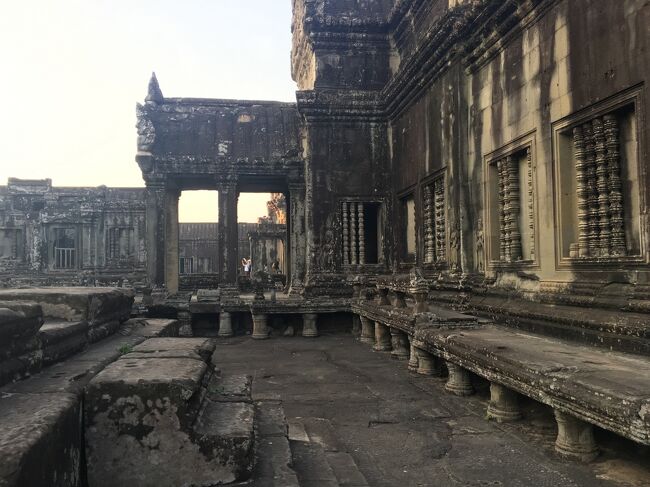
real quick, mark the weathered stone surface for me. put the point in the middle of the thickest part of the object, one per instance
(40, 440)
(230, 388)
(151, 421)
(62, 339)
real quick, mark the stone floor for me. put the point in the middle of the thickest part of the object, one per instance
(401, 429)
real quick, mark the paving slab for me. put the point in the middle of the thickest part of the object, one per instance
(401, 428)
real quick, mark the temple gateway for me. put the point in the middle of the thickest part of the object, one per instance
(461, 186)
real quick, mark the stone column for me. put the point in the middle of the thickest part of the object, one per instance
(575, 438)
(309, 325)
(382, 338)
(228, 235)
(504, 404)
(459, 382)
(171, 240)
(414, 361)
(261, 329)
(155, 232)
(367, 330)
(399, 343)
(225, 325)
(298, 237)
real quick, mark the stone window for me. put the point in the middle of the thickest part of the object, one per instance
(435, 221)
(186, 265)
(597, 185)
(65, 248)
(408, 228)
(361, 232)
(11, 243)
(120, 243)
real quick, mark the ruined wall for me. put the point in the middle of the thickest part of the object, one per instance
(70, 234)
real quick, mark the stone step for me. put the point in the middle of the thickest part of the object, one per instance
(320, 460)
(341, 462)
(273, 466)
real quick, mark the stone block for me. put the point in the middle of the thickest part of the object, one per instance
(40, 440)
(62, 339)
(230, 388)
(195, 348)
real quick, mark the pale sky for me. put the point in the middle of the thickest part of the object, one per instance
(73, 70)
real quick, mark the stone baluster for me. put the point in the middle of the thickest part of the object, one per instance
(346, 235)
(362, 234)
(459, 381)
(429, 238)
(261, 330)
(502, 211)
(225, 325)
(414, 361)
(515, 208)
(399, 342)
(440, 219)
(531, 204)
(310, 325)
(382, 338)
(618, 245)
(504, 404)
(592, 193)
(602, 184)
(353, 235)
(582, 192)
(367, 330)
(575, 438)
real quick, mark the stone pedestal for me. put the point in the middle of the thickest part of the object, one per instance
(413, 358)
(399, 342)
(575, 438)
(225, 325)
(260, 326)
(459, 382)
(309, 325)
(367, 330)
(504, 404)
(382, 338)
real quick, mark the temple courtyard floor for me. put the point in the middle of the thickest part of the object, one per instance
(360, 418)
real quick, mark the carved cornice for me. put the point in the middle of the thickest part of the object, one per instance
(333, 105)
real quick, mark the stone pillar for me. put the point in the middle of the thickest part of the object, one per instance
(171, 240)
(298, 237)
(261, 329)
(399, 343)
(309, 325)
(155, 232)
(575, 438)
(367, 330)
(228, 235)
(382, 338)
(225, 325)
(504, 404)
(414, 361)
(459, 382)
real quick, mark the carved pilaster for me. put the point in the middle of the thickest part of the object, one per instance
(440, 224)
(617, 242)
(602, 184)
(362, 234)
(592, 191)
(582, 192)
